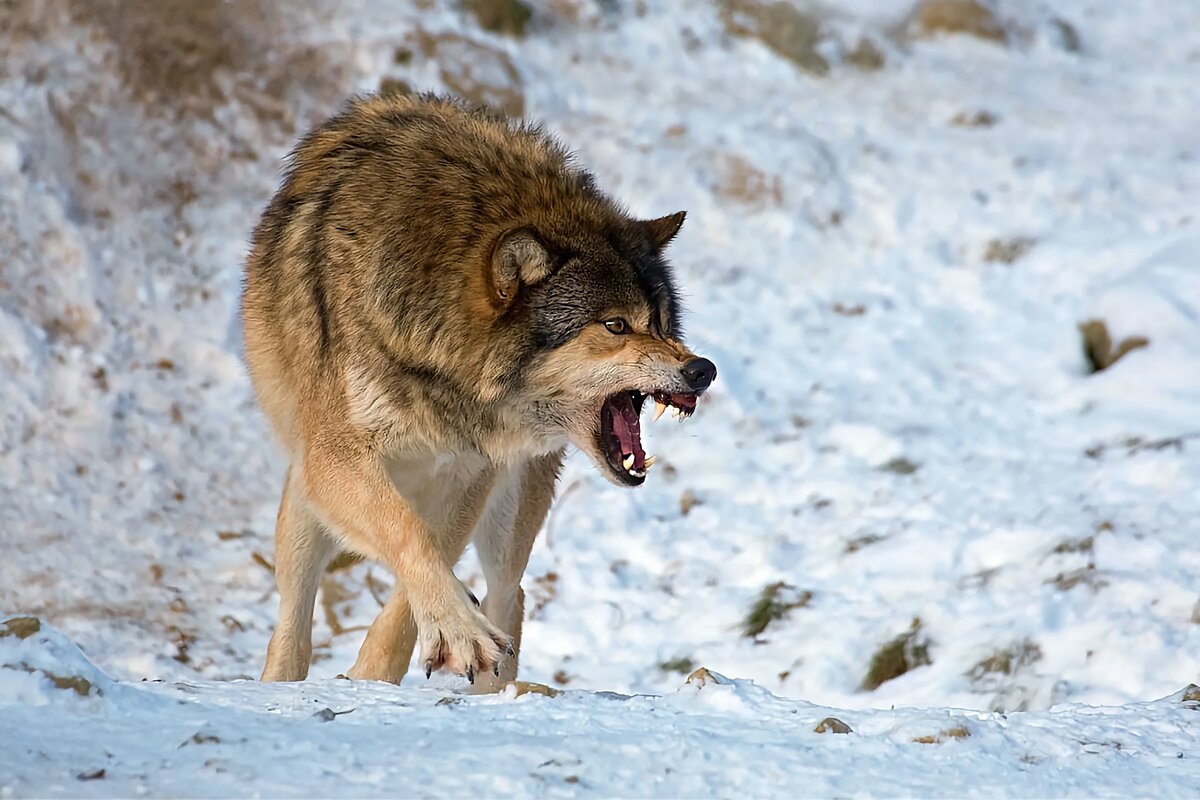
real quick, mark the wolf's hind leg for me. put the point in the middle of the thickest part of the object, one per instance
(388, 648)
(303, 548)
(504, 539)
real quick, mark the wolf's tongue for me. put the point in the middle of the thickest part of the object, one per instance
(628, 430)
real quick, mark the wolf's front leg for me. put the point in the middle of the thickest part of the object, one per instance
(349, 488)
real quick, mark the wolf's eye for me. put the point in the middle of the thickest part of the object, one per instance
(616, 326)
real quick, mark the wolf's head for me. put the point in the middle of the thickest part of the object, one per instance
(602, 315)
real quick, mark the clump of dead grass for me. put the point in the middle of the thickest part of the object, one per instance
(774, 602)
(902, 654)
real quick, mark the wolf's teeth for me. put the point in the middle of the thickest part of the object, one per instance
(649, 462)
(628, 461)
(638, 473)
(659, 408)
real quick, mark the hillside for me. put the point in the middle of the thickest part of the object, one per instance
(911, 487)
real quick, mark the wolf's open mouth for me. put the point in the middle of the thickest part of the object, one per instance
(621, 430)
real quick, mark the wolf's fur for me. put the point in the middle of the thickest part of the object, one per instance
(423, 310)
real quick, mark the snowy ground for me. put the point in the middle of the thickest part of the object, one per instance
(710, 737)
(888, 266)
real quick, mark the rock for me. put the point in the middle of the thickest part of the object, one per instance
(785, 29)
(705, 677)
(20, 627)
(832, 725)
(969, 17)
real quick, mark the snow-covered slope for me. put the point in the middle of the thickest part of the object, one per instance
(710, 736)
(905, 461)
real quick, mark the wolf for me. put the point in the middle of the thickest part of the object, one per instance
(437, 302)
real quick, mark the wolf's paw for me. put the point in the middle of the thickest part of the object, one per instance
(465, 643)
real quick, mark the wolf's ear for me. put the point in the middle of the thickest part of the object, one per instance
(519, 258)
(662, 230)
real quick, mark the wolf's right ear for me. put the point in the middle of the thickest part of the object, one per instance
(519, 258)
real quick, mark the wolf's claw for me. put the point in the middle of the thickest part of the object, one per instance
(428, 669)
(470, 674)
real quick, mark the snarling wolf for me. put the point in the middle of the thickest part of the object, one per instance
(437, 302)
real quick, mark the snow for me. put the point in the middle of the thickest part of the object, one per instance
(715, 737)
(904, 424)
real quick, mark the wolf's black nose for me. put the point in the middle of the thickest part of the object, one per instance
(699, 373)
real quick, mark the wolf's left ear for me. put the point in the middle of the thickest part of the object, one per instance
(519, 258)
(662, 230)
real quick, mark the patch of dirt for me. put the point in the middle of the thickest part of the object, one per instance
(967, 17)
(900, 466)
(791, 33)
(475, 71)
(1086, 576)
(866, 56)
(1008, 251)
(682, 664)
(1084, 545)
(508, 17)
(736, 178)
(976, 119)
(854, 545)
(186, 58)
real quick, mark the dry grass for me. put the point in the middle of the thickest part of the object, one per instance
(902, 654)
(774, 602)
(1098, 345)
(957, 732)
(1007, 661)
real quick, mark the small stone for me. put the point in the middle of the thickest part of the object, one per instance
(704, 677)
(832, 725)
(20, 627)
